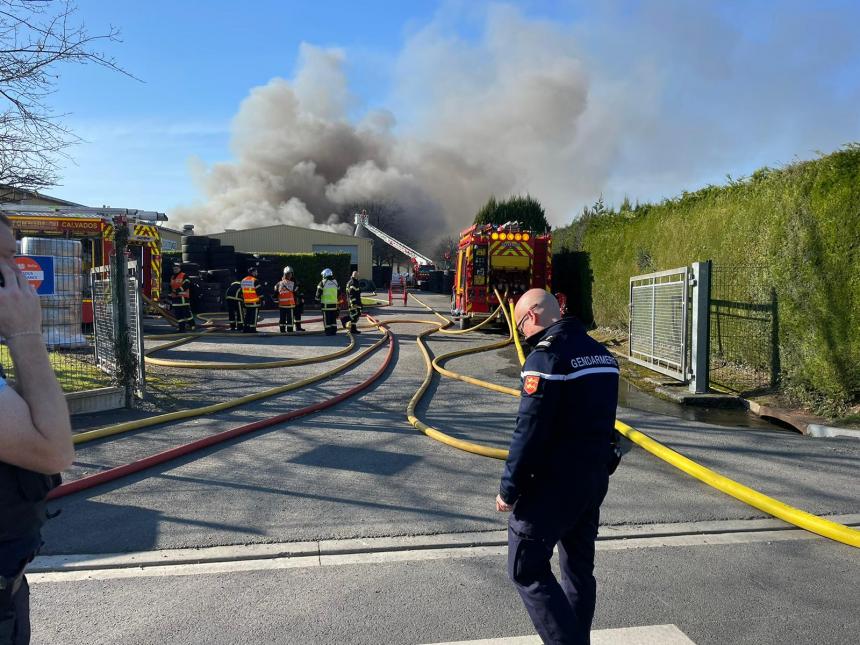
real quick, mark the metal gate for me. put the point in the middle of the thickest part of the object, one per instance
(659, 303)
(107, 321)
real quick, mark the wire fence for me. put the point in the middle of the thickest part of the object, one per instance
(744, 355)
(54, 265)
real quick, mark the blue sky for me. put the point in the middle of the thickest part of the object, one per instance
(685, 92)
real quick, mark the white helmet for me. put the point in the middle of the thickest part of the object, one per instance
(326, 273)
(288, 270)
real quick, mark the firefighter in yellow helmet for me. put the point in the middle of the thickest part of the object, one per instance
(235, 304)
(353, 299)
(285, 292)
(252, 296)
(327, 296)
(180, 295)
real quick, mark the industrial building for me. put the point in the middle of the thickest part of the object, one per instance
(283, 238)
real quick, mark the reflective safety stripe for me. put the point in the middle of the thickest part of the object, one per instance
(329, 295)
(286, 294)
(176, 287)
(249, 291)
(570, 377)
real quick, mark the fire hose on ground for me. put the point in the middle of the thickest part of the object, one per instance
(220, 437)
(754, 498)
(119, 428)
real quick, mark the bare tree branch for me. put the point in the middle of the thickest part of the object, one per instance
(37, 36)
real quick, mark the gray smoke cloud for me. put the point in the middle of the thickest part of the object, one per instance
(507, 114)
(644, 101)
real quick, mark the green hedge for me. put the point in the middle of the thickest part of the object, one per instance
(801, 222)
(307, 268)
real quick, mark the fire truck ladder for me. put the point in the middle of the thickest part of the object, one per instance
(418, 259)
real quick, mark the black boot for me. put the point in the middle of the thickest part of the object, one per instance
(283, 329)
(354, 330)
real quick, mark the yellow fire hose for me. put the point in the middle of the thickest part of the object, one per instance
(774, 507)
(107, 431)
(223, 365)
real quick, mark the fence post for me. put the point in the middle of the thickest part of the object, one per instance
(701, 327)
(126, 360)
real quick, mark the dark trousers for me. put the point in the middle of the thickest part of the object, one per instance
(300, 309)
(286, 319)
(183, 315)
(15, 617)
(236, 314)
(353, 316)
(250, 324)
(561, 613)
(330, 320)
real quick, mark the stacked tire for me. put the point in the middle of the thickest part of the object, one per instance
(195, 249)
(61, 312)
(222, 257)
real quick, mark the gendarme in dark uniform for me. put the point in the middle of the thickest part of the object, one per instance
(557, 471)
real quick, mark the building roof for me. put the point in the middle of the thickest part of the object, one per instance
(279, 226)
(10, 194)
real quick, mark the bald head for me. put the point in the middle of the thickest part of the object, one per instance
(537, 309)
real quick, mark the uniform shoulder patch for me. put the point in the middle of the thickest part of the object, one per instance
(531, 383)
(546, 342)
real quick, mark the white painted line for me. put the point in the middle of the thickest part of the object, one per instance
(241, 564)
(650, 635)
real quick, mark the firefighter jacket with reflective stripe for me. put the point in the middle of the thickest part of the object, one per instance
(286, 290)
(566, 419)
(180, 287)
(251, 291)
(353, 293)
(234, 291)
(327, 293)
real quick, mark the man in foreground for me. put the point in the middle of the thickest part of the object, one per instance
(35, 440)
(558, 467)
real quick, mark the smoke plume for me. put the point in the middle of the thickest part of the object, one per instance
(505, 115)
(646, 101)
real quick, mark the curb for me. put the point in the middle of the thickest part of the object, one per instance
(360, 546)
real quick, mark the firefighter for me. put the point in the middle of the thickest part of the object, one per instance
(252, 296)
(300, 303)
(353, 298)
(235, 305)
(557, 471)
(285, 291)
(180, 294)
(327, 297)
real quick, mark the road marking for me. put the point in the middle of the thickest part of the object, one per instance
(650, 635)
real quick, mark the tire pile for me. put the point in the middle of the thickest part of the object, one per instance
(210, 266)
(61, 312)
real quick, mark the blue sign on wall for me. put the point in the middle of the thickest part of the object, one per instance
(39, 271)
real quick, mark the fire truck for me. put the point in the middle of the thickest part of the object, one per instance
(497, 257)
(94, 228)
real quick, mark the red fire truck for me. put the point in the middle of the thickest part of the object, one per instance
(502, 257)
(94, 228)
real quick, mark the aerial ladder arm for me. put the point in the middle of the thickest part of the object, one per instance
(412, 254)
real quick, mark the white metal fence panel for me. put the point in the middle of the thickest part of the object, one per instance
(659, 303)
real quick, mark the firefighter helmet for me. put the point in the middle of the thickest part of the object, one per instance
(288, 270)
(326, 273)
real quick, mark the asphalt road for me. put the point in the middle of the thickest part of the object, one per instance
(756, 593)
(360, 470)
